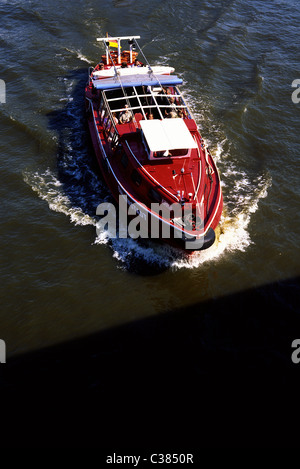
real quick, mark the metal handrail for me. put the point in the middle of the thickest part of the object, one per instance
(109, 113)
(200, 170)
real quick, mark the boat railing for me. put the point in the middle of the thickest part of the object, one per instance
(149, 106)
(200, 169)
(154, 96)
(117, 76)
(132, 40)
(152, 103)
(104, 106)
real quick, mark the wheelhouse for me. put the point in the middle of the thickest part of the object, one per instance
(167, 138)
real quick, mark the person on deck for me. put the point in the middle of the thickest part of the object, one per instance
(125, 116)
(137, 63)
(182, 114)
(172, 114)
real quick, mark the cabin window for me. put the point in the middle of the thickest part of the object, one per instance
(154, 195)
(169, 153)
(136, 177)
(180, 152)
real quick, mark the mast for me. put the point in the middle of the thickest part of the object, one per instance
(118, 39)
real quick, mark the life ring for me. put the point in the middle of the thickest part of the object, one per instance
(125, 56)
(113, 55)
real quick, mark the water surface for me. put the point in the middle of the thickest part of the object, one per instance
(238, 60)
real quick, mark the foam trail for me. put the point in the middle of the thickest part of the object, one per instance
(233, 235)
(50, 189)
(79, 55)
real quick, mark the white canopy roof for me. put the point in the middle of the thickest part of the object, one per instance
(167, 134)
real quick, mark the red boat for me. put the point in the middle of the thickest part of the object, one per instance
(149, 148)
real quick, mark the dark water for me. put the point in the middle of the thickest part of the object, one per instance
(238, 60)
(59, 281)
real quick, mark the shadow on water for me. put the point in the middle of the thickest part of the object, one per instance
(76, 165)
(213, 375)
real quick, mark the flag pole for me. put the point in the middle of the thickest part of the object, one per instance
(107, 50)
(119, 51)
